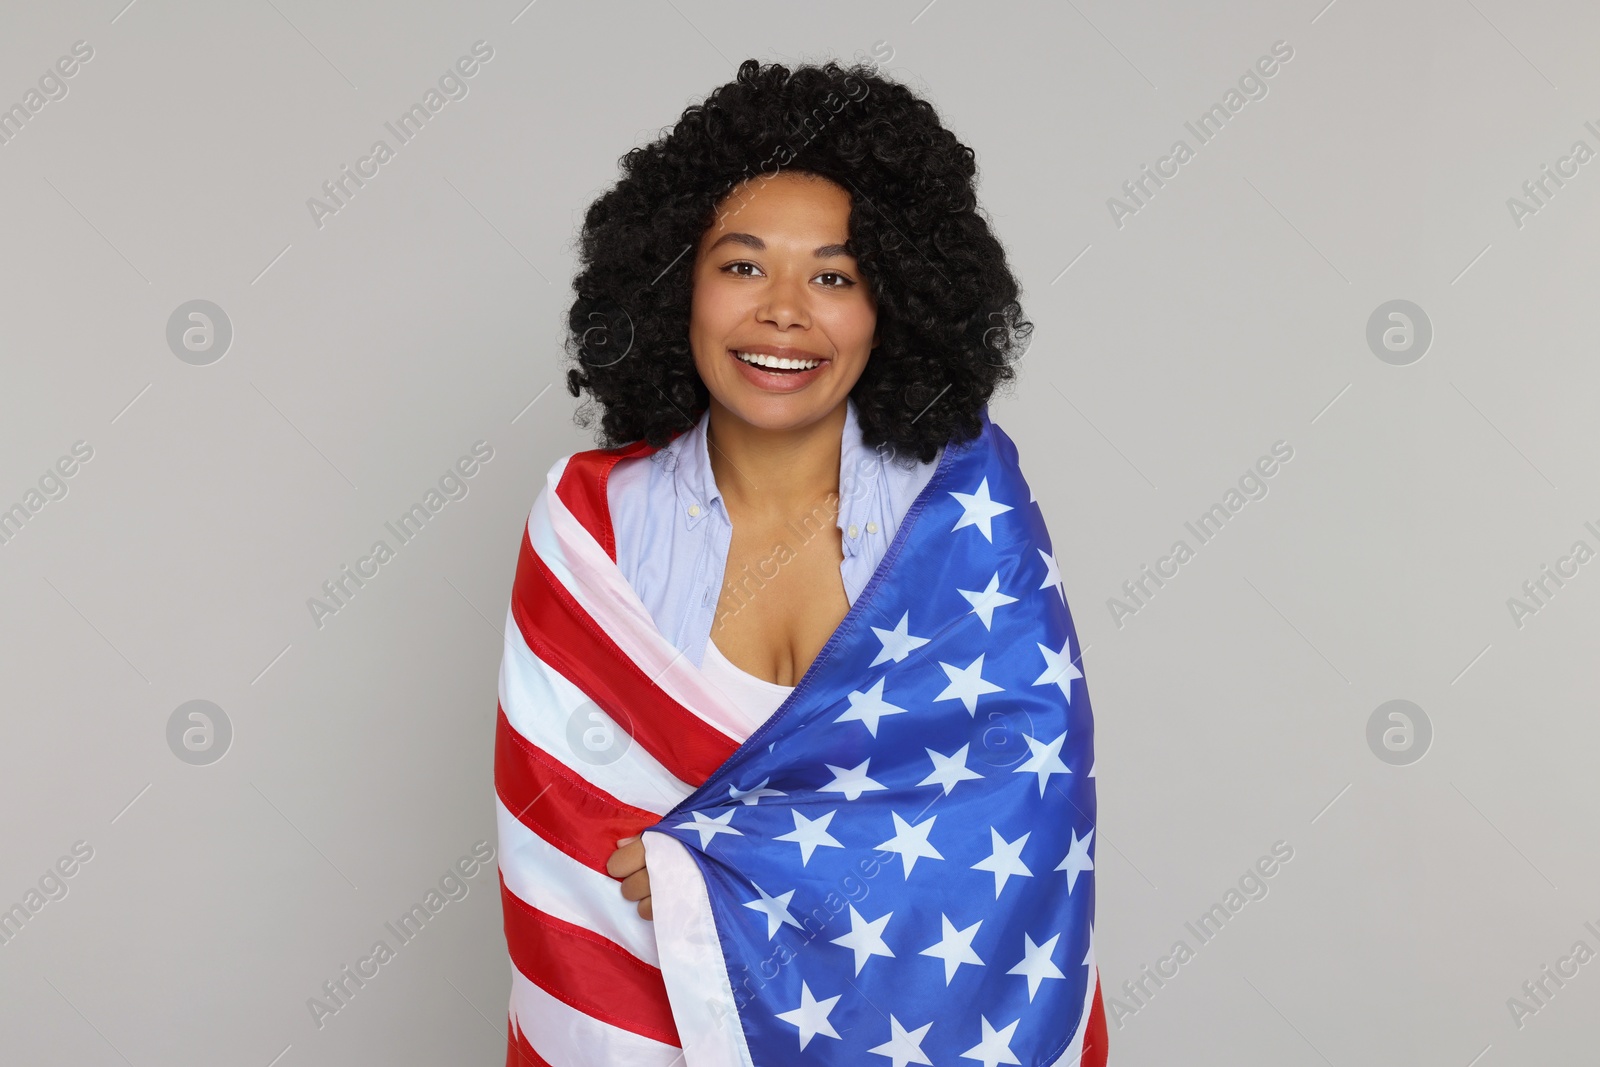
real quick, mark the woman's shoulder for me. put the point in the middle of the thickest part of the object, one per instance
(594, 483)
(631, 477)
(593, 464)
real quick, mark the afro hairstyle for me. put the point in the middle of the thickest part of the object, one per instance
(950, 327)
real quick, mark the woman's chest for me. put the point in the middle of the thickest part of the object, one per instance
(782, 598)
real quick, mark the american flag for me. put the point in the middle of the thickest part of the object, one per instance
(897, 867)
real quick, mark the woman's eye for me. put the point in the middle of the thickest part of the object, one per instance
(839, 281)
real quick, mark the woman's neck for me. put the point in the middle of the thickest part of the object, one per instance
(773, 473)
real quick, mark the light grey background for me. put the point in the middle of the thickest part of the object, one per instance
(369, 354)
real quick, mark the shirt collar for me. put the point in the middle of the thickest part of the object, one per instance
(696, 485)
(861, 478)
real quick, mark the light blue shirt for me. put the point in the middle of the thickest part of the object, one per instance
(673, 532)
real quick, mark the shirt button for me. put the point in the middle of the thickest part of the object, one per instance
(855, 531)
(694, 509)
(872, 527)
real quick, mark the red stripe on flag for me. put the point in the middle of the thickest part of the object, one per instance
(548, 798)
(562, 634)
(582, 488)
(586, 971)
(1095, 1043)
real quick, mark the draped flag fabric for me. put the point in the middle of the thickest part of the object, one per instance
(897, 867)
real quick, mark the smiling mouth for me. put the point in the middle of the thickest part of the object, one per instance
(776, 364)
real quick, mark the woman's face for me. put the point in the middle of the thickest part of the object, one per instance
(772, 281)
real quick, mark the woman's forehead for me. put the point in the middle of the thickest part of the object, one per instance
(759, 215)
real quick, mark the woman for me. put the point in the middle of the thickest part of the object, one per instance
(792, 317)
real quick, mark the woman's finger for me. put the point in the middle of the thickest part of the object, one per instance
(626, 859)
(636, 886)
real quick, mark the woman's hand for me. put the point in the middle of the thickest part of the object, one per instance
(627, 863)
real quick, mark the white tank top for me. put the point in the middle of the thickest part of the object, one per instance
(755, 698)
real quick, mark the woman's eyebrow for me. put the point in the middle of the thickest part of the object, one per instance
(750, 240)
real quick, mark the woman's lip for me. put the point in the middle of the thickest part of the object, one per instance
(776, 381)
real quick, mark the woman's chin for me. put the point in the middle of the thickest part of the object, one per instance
(778, 413)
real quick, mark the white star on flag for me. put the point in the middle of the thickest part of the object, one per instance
(1052, 575)
(1045, 761)
(811, 1016)
(708, 828)
(810, 834)
(977, 509)
(1005, 860)
(1036, 964)
(948, 770)
(865, 938)
(912, 842)
(898, 643)
(1077, 859)
(1059, 670)
(776, 909)
(955, 947)
(754, 795)
(869, 707)
(903, 1046)
(852, 783)
(967, 684)
(995, 1048)
(984, 602)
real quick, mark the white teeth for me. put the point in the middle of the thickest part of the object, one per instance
(778, 362)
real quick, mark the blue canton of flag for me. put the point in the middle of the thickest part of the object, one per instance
(900, 861)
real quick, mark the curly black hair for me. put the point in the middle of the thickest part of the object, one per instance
(950, 327)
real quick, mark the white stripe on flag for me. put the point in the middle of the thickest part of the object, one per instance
(566, 1037)
(693, 967)
(594, 580)
(542, 875)
(540, 704)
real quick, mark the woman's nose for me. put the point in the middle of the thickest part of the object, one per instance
(784, 303)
